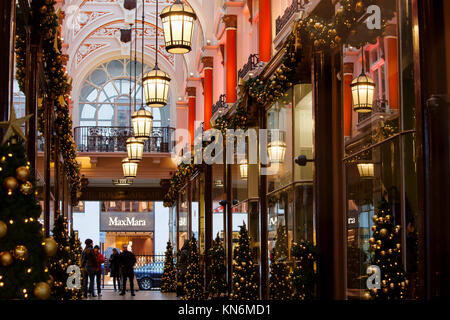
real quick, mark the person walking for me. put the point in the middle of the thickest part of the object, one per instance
(114, 266)
(88, 263)
(127, 261)
(98, 268)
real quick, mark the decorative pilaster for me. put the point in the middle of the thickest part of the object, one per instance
(191, 92)
(230, 57)
(208, 64)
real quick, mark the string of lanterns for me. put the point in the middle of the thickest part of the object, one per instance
(178, 24)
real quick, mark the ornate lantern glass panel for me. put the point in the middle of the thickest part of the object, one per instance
(363, 90)
(178, 24)
(277, 151)
(156, 88)
(142, 124)
(366, 170)
(129, 168)
(243, 168)
(135, 149)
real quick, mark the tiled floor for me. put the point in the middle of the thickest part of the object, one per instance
(109, 294)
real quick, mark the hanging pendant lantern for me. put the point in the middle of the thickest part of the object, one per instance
(363, 91)
(142, 124)
(129, 168)
(135, 149)
(156, 88)
(178, 22)
(366, 170)
(277, 151)
(243, 168)
(156, 82)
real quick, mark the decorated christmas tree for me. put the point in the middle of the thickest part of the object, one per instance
(245, 285)
(23, 249)
(304, 277)
(59, 263)
(193, 285)
(217, 287)
(75, 256)
(386, 248)
(168, 278)
(280, 282)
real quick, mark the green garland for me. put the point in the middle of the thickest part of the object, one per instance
(323, 36)
(178, 181)
(45, 19)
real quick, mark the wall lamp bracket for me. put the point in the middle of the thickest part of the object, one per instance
(302, 160)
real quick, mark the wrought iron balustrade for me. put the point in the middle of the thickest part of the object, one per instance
(379, 106)
(113, 139)
(219, 104)
(252, 63)
(296, 6)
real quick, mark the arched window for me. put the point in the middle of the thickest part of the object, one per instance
(105, 96)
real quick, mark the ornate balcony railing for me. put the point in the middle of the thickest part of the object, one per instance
(113, 139)
(379, 106)
(252, 63)
(296, 6)
(219, 104)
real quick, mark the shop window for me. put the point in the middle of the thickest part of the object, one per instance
(217, 196)
(183, 218)
(279, 124)
(380, 148)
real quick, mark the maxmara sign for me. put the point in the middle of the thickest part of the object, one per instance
(127, 221)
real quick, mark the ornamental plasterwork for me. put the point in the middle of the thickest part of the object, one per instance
(86, 17)
(112, 31)
(86, 49)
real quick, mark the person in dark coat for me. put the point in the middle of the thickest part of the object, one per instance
(114, 265)
(88, 263)
(127, 261)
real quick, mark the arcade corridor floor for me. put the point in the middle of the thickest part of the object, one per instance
(109, 294)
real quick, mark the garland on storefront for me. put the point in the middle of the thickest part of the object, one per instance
(323, 35)
(178, 181)
(45, 18)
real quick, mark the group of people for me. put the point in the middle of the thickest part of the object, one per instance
(121, 265)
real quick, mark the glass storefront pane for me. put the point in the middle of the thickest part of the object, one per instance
(303, 130)
(304, 214)
(217, 196)
(279, 124)
(365, 189)
(183, 218)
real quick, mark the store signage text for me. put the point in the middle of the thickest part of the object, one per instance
(125, 222)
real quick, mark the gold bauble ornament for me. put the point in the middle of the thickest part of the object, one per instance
(21, 252)
(384, 232)
(3, 229)
(6, 259)
(374, 218)
(26, 188)
(50, 246)
(22, 173)
(367, 295)
(10, 183)
(42, 290)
